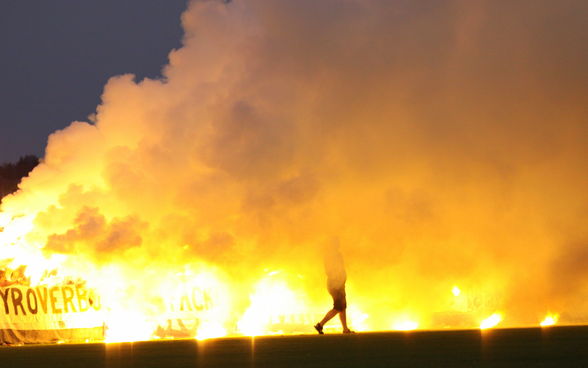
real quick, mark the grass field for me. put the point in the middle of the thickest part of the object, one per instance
(527, 347)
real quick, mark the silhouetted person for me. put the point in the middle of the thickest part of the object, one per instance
(336, 277)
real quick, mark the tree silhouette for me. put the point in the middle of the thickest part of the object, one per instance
(12, 173)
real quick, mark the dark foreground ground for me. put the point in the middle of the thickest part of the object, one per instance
(529, 347)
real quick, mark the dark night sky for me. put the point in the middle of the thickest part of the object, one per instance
(57, 55)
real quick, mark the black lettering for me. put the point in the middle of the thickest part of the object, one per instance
(31, 292)
(17, 301)
(68, 295)
(53, 298)
(4, 295)
(42, 296)
(82, 295)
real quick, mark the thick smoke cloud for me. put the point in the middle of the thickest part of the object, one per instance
(443, 142)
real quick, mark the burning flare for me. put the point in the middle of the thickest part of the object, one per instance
(549, 320)
(405, 325)
(456, 291)
(491, 321)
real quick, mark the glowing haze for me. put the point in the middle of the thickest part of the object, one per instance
(443, 142)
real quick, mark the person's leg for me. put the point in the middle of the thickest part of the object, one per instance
(339, 305)
(343, 318)
(330, 314)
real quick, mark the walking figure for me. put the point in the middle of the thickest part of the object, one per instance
(336, 277)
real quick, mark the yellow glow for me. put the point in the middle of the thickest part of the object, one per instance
(491, 321)
(127, 326)
(357, 319)
(549, 320)
(456, 291)
(405, 325)
(210, 330)
(14, 229)
(271, 301)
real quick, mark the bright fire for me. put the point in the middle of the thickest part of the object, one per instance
(456, 291)
(273, 302)
(549, 320)
(491, 321)
(405, 325)
(196, 301)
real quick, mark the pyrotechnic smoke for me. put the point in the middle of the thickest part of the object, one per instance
(443, 142)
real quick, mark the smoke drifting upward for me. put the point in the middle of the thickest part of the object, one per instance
(443, 143)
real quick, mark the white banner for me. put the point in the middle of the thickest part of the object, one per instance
(48, 314)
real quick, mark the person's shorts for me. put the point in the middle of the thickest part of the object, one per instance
(339, 300)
